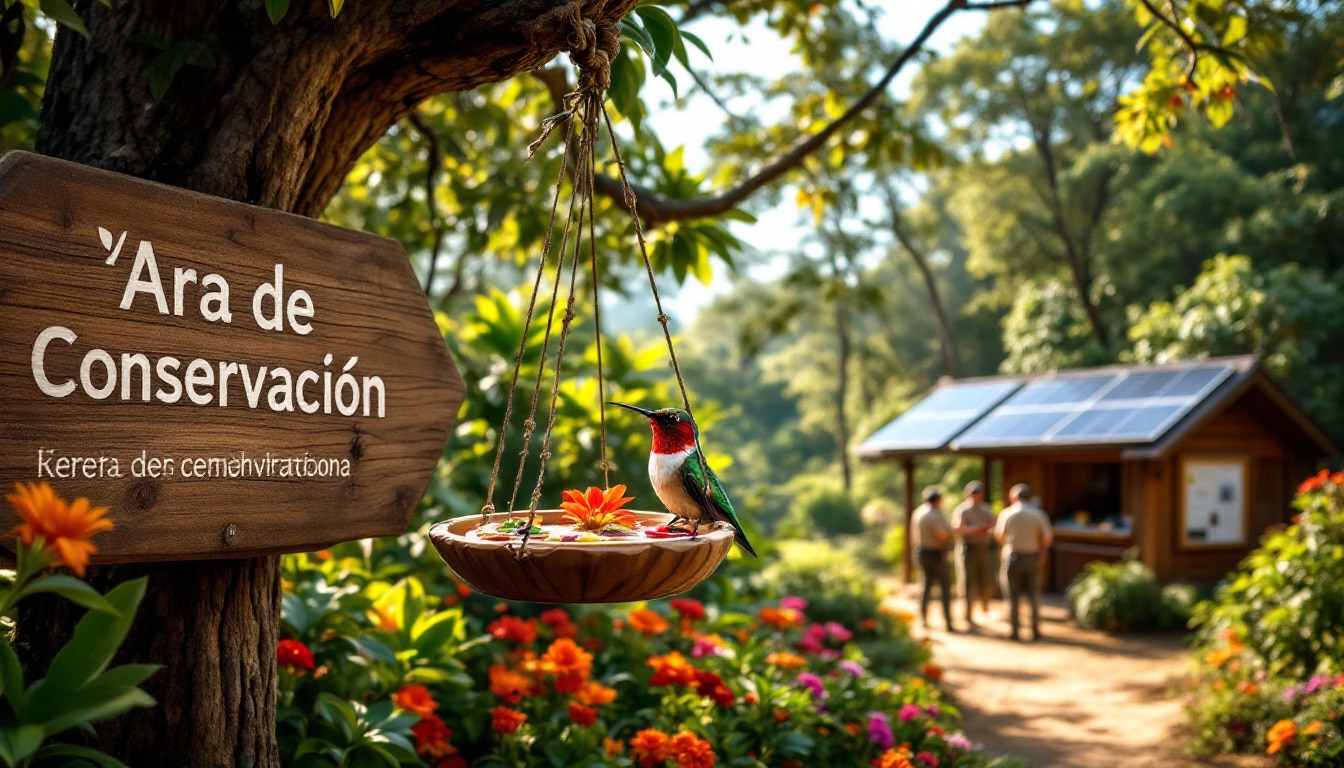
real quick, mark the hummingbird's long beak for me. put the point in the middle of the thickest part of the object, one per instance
(641, 411)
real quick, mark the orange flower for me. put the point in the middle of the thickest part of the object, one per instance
(415, 698)
(431, 737)
(1313, 728)
(647, 623)
(785, 659)
(933, 672)
(613, 747)
(691, 751)
(64, 528)
(781, 716)
(1279, 735)
(898, 757)
(1247, 687)
(513, 630)
(581, 715)
(672, 669)
(569, 663)
(781, 618)
(650, 747)
(594, 694)
(511, 687)
(596, 510)
(854, 729)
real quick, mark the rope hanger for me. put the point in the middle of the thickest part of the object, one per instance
(593, 46)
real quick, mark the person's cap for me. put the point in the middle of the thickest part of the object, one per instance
(975, 486)
(932, 492)
(1022, 491)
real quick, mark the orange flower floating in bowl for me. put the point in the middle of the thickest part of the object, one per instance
(598, 510)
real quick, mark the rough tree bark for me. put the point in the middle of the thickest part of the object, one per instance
(278, 121)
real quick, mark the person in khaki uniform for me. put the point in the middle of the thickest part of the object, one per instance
(973, 522)
(1024, 531)
(931, 538)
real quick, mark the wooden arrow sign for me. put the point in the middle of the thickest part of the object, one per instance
(229, 380)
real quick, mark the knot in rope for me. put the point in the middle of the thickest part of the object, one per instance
(593, 45)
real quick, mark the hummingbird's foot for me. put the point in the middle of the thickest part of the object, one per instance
(695, 529)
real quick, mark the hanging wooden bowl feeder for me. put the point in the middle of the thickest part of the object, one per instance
(529, 561)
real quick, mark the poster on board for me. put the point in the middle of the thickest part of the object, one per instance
(1213, 501)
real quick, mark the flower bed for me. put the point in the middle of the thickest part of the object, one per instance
(379, 668)
(1270, 668)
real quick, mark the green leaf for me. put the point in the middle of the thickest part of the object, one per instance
(15, 107)
(61, 12)
(96, 702)
(276, 10)
(18, 743)
(1236, 30)
(71, 588)
(627, 73)
(637, 35)
(162, 70)
(101, 759)
(128, 674)
(97, 636)
(11, 678)
(149, 40)
(697, 42)
(664, 33)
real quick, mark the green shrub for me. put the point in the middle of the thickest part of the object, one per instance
(1124, 596)
(830, 512)
(1286, 600)
(893, 545)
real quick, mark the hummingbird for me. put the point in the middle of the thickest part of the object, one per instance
(677, 476)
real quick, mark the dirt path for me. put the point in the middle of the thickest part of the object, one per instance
(1074, 699)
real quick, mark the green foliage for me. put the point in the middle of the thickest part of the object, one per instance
(825, 511)
(80, 687)
(1124, 597)
(893, 545)
(1289, 316)
(1286, 600)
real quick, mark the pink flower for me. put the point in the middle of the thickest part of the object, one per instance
(879, 731)
(707, 645)
(926, 758)
(932, 710)
(959, 741)
(830, 654)
(909, 712)
(838, 632)
(794, 603)
(809, 680)
(852, 667)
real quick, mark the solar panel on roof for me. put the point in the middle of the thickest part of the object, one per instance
(938, 418)
(1057, 391)
(1120, 406)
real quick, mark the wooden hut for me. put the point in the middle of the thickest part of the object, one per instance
(1187, 463)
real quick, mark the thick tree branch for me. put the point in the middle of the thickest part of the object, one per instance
(656, 210)
(947, 347)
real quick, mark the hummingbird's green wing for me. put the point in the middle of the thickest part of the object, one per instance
(715, 504)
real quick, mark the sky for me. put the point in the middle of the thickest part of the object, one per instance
(758, 51)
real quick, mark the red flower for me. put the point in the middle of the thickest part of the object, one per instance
(431, 737)
(691, 751)
(690, 609)
(581, 715)
(513, 630)
(293, 655)
(711, 686)
(649, 747)
(555, 617)
(505, 720)
(453, 761)
(933, 672)
(415, 698)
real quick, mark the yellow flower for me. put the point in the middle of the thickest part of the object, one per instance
(596, 510)
(64, 528)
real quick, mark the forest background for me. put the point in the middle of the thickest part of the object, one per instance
(1042, 194)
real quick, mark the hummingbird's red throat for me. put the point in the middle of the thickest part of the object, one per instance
(674, 438)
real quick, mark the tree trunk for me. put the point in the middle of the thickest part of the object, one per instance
(841, 393)
(947, 345)
(278, 120)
